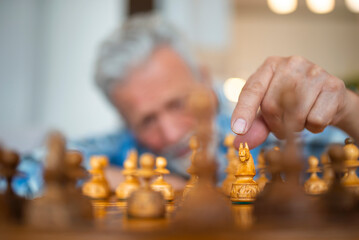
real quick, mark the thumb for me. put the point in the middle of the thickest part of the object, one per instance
(256, 135)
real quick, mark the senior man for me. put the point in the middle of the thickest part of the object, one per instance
(146, 71)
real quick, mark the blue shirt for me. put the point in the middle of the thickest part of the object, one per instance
(117, 145)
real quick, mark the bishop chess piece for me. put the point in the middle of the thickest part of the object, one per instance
(232, 165)
(314, 185)
(194, 146)
(351, 163)
(160, 184)
(131, 183)
(145, 202)
(328, 173)
(244, 189)
(13, 204)
(262, 167)
(97, 187)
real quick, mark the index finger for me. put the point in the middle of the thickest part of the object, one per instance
(252, 95)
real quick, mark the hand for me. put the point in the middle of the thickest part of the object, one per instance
(322, 100)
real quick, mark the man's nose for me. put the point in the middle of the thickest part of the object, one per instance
(172, 128)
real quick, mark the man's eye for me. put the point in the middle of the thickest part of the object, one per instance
(176, 104)
(147, 121)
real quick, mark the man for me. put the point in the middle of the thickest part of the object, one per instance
(146, 71)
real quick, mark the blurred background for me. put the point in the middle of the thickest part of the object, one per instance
(48, 49)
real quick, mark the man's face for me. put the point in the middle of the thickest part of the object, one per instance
(152, 99)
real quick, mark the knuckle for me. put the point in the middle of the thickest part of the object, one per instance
(316, 71)
(270, 107)
(293, 61)
(316, 123)
(254, 88)
(334, 85)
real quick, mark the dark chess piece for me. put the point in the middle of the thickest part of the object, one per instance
(14, 204)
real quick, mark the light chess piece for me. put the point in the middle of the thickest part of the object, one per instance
(314, 185)
(97, 187)
(194, 146)
(131, 183)
(232, 165)
(145, 202)
(160, 185)
(328, 173)
(244, 189)
(262, 167)
(351, 163)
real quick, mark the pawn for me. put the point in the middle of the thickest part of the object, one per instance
(145, 202)
(232, 165)
(97, 187)
(244, 189)
(160, 185)
(314, 185)
(131, 183)
(194, 146)
(351, 163)
(262, 167)
(328, 173)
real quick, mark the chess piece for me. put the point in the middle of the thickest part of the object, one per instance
(244, 189)
(58, 208)
(314, 185)
(328, 173)
(145, 202)
(97, 187)
(232, 165)
(351, 180)
(160, 184)
(131, 183)
(262, 179)
(194, 146)
(14, 204)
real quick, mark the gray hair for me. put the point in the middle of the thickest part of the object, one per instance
(132, 44)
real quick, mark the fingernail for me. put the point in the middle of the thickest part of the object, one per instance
(239, 126)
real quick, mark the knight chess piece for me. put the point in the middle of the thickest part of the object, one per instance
(328, 173)
(160, 184)
(351, 163)
(232, 165)
(244, 189)
(145, 202)
(97, 187)
(262, 167)
(131, 183)
(314, 185)
(194, 146)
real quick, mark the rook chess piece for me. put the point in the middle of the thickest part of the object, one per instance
(160, 185)
(97, 187)
(145, 202)
(314, 185)
(244, 189)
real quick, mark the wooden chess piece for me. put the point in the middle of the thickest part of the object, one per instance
(194, 146)
(145, 202)
(97, 187)
(14, 204)
(314, 185)
(262, 167)
(160, 185)
(232, 165)
(351, 180)
(244, 189)
(328, 173)
(131, 183)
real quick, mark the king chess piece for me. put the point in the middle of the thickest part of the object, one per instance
(131, 183)
(244, 189)
(314, 185)
(97, 187)
(160, 185)
(351, 163)
(232, 165)
(262, 167)
(145, 202)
